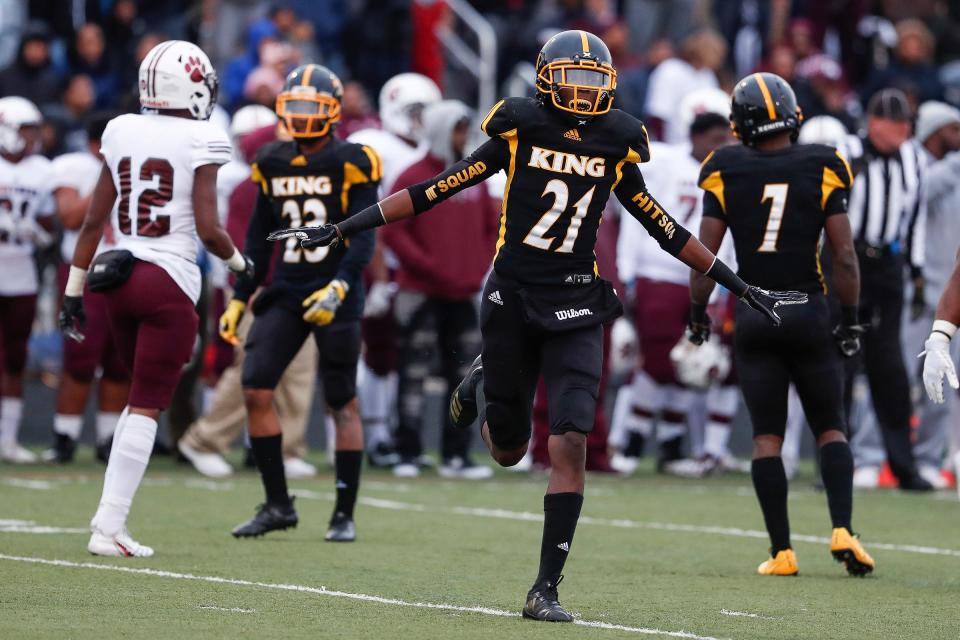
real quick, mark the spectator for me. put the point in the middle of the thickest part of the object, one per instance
(912, 69)
(89, 56)
(262, 86)
(32, 75)
(122, 29)
(232, 83)
(822, 91)
(129, 99)
(69, 118)
(652, 20)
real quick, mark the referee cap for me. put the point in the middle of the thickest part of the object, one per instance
(890, 104)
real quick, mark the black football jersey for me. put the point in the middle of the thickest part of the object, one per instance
(298, 190)
(560, 175)
(776, 204)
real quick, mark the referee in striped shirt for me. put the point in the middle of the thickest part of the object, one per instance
(888, 217)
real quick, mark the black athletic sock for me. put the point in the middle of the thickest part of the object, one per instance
(347, 464)
(770, 483)
(268, 454)
(560, 514)
(836, 469)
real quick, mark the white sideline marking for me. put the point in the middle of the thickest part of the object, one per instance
(210, 607)
(619, 523)
(29, 526)
(209, 485)
(323, 591)
(24, 483)
(744, 614)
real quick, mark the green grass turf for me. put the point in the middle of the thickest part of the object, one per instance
(627, 575)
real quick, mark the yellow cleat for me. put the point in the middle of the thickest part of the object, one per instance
(846, 548)
(783, 564)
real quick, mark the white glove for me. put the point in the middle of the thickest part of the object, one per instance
(378, 299)
(936, 364)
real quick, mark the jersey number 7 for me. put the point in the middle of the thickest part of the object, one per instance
(777, 193)
(561, 194)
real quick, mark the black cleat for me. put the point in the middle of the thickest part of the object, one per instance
(383, 456)
(543, 604)
(463, 401)
(62, 451)
(270, 517)
(915, 483)
(103, 450)
(341, 529)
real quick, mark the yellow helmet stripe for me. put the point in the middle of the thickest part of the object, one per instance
(584, 42)
(766, 96)
(306, 75)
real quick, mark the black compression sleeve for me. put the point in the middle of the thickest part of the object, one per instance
(369, 218)
(726, 278)
(632, 194)
(486, 160)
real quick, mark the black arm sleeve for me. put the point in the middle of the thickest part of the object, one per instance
(486, 160)
(632, 193)
(257, 248)
(360, 245)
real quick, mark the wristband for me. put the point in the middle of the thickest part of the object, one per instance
(75, 282)
(849, 315)
(698, 313)
(945, 327)
(236, 262)
(364, 220)
(726, 278)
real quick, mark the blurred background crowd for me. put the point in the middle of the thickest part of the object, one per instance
(78, 62)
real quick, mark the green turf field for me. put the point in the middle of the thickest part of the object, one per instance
(653, 557)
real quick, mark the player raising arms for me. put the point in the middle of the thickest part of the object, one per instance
(777, 198)
(543, 305)
(160, 177)
(308, 181)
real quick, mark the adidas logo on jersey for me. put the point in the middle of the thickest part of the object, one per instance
(495, 298)
(567, 314)
(572, 134)
(564, 546)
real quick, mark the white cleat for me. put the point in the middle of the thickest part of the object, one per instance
(211, 465)
(13, 453)
(866, 477)
(692, 467)
(298, 468)
(932, 475)
(626, 465)
(406, 470)
(121, 545)
(461, 469)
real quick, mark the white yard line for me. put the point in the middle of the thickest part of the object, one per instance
(210, 607)
(323, 591)
(29, 526)
(745, 614)
(25, 483)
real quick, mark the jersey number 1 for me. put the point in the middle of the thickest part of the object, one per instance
(777, 193)
(561, 193)
(148, 225)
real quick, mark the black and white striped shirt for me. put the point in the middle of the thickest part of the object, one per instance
(887, 208)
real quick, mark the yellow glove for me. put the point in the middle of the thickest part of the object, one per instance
(230, 319)
(323, 303)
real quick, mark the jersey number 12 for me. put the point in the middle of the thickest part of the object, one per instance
(147, 224)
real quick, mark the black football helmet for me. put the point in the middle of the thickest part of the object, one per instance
(764, 104)
(309, 105)
(578, 61)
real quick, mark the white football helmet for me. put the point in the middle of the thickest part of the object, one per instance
(16, 112)
(624, 350)
(706, 100)
(823, 130)
(699, 366)
(250, 118)
(178, 75)
(402, 100)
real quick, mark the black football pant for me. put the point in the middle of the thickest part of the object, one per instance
(435, 334)
(881, 309)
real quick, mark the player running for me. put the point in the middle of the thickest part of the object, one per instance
(159, 182)
(313, 179)
(777, 198)
(544, 305)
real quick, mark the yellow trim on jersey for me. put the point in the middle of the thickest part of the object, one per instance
(846, 166)
(257, 176)
(823, 281)
(830, 182)
(632, 156)
(584, 42)
(771, 111)
(714, 184)
(351, 175)
(305, 80)
(486, 121)
(511, 138)
(376, 170)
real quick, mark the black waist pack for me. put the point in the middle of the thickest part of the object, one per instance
(109, 270)
(563, 308)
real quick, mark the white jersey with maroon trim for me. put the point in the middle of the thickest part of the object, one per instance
(153, 159)
(395, 154)
(25, 196)
(79, 170)
(671, 175)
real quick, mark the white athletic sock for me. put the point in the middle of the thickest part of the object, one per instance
(131, 451)
(11, 409)
(69, 426)
(670, 430)
(377, 433)
(716, 436)
(106, 425)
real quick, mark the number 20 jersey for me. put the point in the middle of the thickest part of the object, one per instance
(776, 204)
(152, 159)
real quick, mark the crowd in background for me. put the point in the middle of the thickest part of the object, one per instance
(78, 61)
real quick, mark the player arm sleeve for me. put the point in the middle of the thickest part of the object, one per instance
(486, 160)
(632, 193)
(257, 248)
(359, 245)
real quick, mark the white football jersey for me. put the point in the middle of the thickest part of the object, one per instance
(671, 177)
(153, 159)
(395, 154)
(79, 170)
(25, 196)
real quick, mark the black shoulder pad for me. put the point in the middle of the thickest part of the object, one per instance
(633, 133)
(365, 160)
(836, 162)
(505, 116)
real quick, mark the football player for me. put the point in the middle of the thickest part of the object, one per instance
(159, 180)
(543, 307)
(777, 198)
(312, 180)
(25, 203)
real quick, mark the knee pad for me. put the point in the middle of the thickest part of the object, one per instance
(574, 410)
(339, 388)
(509, 427)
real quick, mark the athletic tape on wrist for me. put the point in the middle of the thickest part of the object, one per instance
(945, 327)
(236, 262)
(75, 282)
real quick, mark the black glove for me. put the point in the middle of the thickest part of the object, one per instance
(848, 338)
(766, 302)
(323, 236)
(248, 270)
(72, 317)
(918, 305)
(698, 328)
